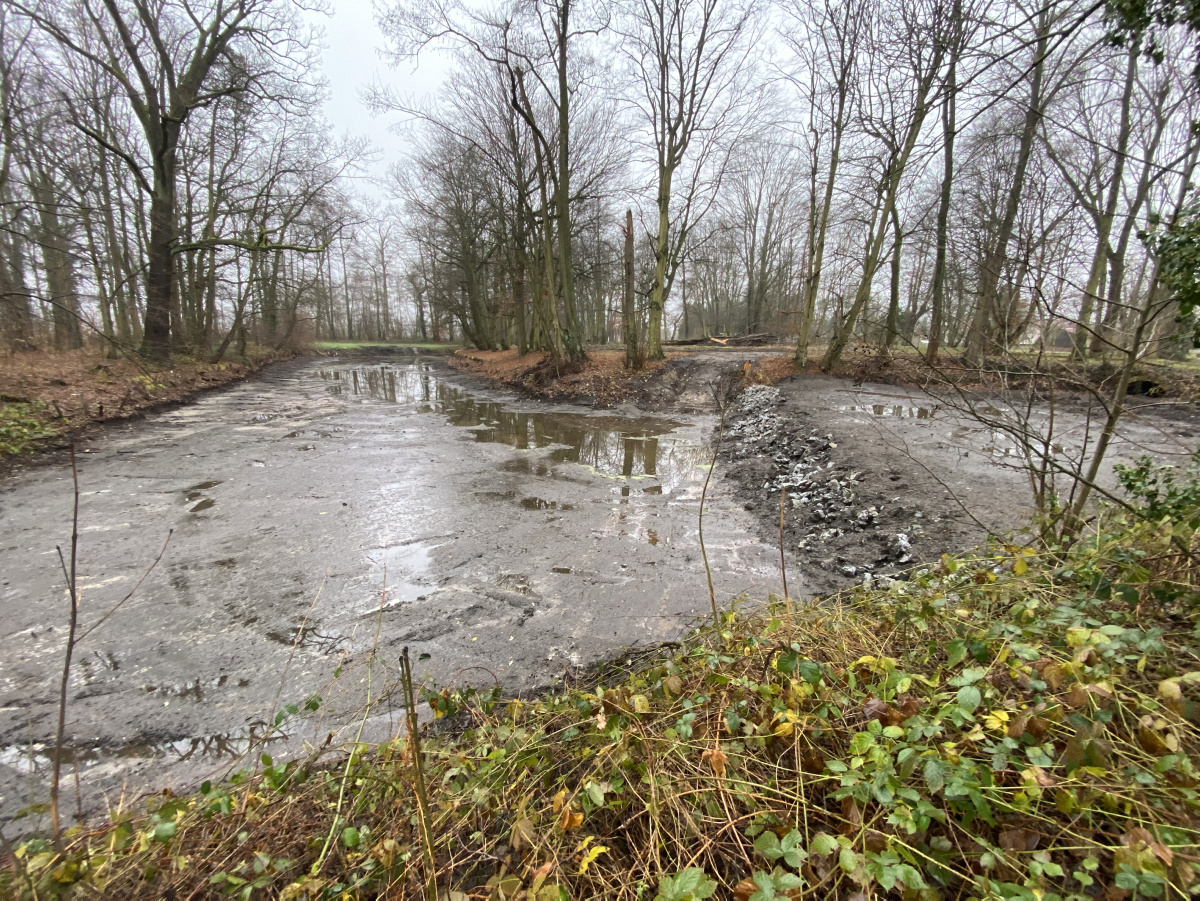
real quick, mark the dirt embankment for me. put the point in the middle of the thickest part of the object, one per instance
(683, 381)
(45, 398)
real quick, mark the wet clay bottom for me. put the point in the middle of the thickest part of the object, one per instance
(324, 516)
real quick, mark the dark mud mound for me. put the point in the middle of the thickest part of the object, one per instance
(843, 523)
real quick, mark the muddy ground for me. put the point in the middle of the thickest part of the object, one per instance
(324, 515)
(328, 513)
(880, 479)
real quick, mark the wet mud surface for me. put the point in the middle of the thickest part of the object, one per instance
(320, 510)
(328, 513)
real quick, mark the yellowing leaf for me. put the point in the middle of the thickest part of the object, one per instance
(539, 877)
(589, 857)
(1054, 675)
(1077, 637)
(557, 801)
(1019, 566)
(569, 819)
(640, 703)
(1169, 689)
(997, 721)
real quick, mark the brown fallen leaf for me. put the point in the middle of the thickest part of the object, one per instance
(1018, 839)
(522, 833)
(1077, 696)
(852, 815)
(715, 758)
(569, 819)
(875, 841)
(875, 709)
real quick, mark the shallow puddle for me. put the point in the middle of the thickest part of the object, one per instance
(630, 448)
(39, 758)
(891, 411)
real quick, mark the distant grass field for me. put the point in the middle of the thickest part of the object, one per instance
(372, 345)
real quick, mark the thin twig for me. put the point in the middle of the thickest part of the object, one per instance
(782, 560)
(56, 773)
(712, 597)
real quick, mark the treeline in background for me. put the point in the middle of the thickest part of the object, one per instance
(992, 177)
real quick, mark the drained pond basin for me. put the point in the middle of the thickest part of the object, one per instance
(326, 514)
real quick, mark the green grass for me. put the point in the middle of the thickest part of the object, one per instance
(1015, 724)
(369, 345)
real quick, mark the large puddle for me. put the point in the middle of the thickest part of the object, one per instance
(610, 445)
(325, 516)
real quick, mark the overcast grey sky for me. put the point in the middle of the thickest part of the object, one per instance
(351, 62)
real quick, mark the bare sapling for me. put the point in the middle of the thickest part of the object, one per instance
(74, 638)
(73, 623)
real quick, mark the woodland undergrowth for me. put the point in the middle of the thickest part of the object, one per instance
(1019, 723)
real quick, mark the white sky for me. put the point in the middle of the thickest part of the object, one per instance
(351, 63)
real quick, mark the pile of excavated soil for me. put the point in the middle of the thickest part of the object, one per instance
(683, 381)
(846, 523)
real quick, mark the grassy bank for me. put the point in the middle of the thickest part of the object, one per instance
(1016, 724)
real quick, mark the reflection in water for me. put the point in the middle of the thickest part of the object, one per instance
(38, 758)
(891, 411)
(611, 445)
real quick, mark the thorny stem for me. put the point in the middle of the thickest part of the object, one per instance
(414, 743)
(66, 675)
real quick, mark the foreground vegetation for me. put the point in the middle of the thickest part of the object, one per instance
(1018, 724)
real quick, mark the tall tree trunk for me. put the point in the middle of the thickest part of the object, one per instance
(997, 253)
(893, 314)
(938, 288)
(629, 321)
(156, 330)
(1104, 221)
(572, 337)
(654, 349)
(60, 272)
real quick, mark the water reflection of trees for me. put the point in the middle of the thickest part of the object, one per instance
(612, 446)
